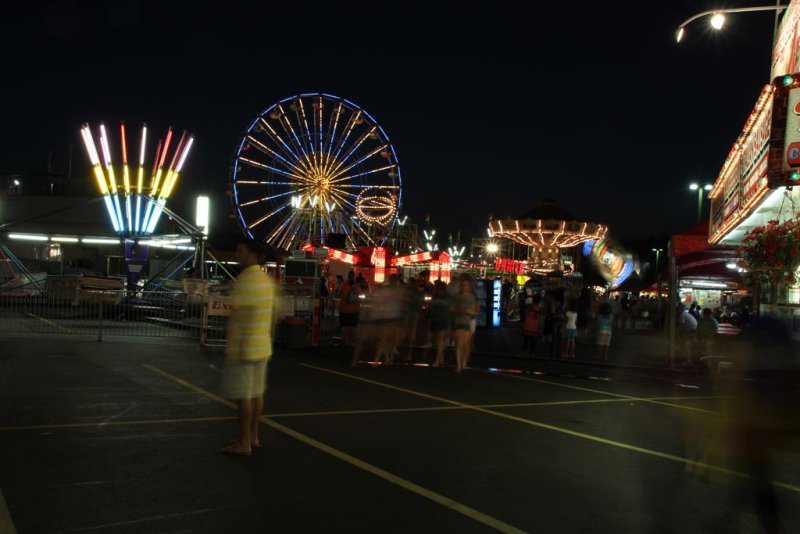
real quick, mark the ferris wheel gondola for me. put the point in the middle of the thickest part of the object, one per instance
(312, 165)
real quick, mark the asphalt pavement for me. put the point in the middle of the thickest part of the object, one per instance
(124, 436)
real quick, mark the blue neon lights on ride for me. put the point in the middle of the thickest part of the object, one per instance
(302, 145)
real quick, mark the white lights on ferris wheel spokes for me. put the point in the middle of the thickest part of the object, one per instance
(134, 208)
(315, 164)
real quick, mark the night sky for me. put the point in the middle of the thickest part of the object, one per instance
(490, 108)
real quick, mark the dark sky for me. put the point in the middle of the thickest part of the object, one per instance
(489, 108)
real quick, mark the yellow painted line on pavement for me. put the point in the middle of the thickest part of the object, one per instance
(561, 430)
(438, 498)
(601, 392)
(101, 424)
(56, 426)
(6, 523)
(49, 322)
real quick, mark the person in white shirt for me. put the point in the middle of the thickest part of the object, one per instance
(571, 330)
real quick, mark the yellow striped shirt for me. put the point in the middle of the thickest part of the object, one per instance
(250, 324)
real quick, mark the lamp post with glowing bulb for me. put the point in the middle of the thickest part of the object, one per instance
(699, 189)
(717, 17)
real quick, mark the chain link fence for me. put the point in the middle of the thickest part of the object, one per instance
(59, 309)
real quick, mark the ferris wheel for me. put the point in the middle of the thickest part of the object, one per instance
(313, 165)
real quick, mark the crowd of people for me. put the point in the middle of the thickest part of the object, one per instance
(386, 323)
(398, 315)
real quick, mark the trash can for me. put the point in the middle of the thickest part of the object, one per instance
(296, 332)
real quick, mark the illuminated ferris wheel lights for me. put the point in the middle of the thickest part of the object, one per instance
(318, 153)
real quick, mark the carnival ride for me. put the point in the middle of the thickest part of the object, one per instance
(313, 166)
(612, 261)
(134, 209)
(547, 229)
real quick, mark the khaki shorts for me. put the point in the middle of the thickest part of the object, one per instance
(244, 380)
(604, 338)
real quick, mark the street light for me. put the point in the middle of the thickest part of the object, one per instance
(699, 189)
(717, 20)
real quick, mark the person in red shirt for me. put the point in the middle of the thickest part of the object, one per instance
(530, 325)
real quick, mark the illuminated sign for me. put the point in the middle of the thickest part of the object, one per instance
(742, 183)
(379, 261)
(784, 144)
(784, 55)
(509, 266)
(791, 140)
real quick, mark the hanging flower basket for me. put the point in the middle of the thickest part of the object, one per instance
(771, 254)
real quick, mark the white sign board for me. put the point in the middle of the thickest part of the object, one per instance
(219, 305)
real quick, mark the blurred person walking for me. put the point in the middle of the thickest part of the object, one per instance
(530, 327)
(440, 317)
(390, 308)
(349, 305)
(557, 321)
(465, 308)
(604, 325)
(571, 330)
(687, 327)
(707, 328)
(249, 347)
(414, 298)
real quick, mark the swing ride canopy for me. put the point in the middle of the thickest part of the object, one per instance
(547, 225)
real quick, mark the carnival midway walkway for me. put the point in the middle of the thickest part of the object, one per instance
(124, 436)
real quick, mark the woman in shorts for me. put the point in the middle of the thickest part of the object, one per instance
(440, 320)
(465, 307)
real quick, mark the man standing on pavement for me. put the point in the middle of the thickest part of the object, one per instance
(249, 348)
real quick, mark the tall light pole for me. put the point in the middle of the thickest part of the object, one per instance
(699, 189)
(658, 251)
(717, 17)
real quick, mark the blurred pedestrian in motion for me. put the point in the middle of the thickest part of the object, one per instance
(604, 322)
(337, 289)
(349, 304)
(323, 286)
(633, 311)
(414, 298)
(465, 308)
(440, 318)
(389, 308)
(557, 321)
(759, 399)
(571, 330)
(530, 327)
(707, 329)
(366, 335)
(687, 327)
(584, 313)
(249, 346)
(616, 311)
(505, 297)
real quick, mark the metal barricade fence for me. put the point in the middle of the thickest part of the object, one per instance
(102, 313)
(329, 328)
